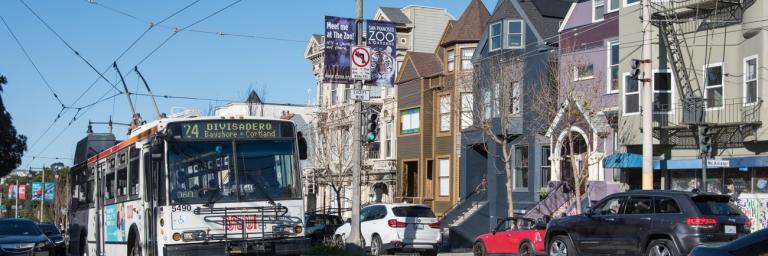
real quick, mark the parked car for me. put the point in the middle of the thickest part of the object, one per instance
(23, 237)
(648, 222)
(55, 235)
(515, 235)
(321, 226)
(390, 228)
(752, 244)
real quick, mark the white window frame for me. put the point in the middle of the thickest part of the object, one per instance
(491, 36)
(450, 56)
(388, 139)
(467, 59)
(628, 4)
(609, 47)
(671, 89)
(522, 168)
(610, 8)
(576, 76)
(624, 97)
(467, 119)
(722, 85)
(411, 124)
(506, 34)
(594, 6)
(444, 178)
(756, 79)
(445, 112)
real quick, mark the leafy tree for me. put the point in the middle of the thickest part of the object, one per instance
(12, 145)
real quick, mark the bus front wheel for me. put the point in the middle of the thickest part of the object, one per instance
(135, 247)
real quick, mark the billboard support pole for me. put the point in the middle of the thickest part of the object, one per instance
(16, 195)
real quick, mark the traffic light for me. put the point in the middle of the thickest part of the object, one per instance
(635, 72)
(705, 139)
(373, 124)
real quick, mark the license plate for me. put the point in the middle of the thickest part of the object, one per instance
(419, 226)
(729, 229)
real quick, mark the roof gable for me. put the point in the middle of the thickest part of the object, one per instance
(394, 15)
(424, 64)
(469, 27)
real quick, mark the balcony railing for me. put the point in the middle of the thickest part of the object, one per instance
(735, 111)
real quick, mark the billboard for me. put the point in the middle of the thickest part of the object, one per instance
(382, 40)
(340, 36)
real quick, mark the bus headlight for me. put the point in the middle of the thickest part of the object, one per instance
(193, 235)
(298, 229)
(176, 236)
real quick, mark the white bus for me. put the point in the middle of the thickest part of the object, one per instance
(190, 186)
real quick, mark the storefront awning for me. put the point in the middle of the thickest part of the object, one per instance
(629, 161)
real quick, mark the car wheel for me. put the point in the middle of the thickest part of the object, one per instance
(339, 241)
(526, 250)
(661, 247)
(429, 253)
(478, 249)
(561, 246)
(376, 247)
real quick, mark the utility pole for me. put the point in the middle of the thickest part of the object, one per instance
(42, 194)
(354, 241)
(647, 107)
(16, 195)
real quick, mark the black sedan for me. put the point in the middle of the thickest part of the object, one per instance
(23, 237)
(54, 234)
(752, 244)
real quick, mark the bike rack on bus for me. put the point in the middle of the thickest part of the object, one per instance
(228, 216)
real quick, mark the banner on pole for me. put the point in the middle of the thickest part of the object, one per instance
(37, 191)
(340, 36)
(50, 191)
(11, 191)
(382, 40)
(22, 192)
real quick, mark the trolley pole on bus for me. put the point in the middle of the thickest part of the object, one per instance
(354, 242)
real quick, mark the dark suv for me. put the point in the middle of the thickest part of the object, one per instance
(648, 223)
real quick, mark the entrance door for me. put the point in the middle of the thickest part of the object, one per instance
(411, 169)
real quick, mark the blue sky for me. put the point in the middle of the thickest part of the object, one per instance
(190, 64)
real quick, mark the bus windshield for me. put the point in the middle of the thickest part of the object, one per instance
(208, 172)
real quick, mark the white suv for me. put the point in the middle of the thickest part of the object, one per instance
(396, 227)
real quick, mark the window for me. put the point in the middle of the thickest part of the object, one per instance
(514, 106)
(491, 101)
(613, 66)
(750, 80)
(515, 35)
(760, 182)
(521, 167)
(466, 58)
(495, 36)
(598, 10)
(630, 2)
(133, 173)
(451, 56)
(665, 205)
(409, 121)
(445, 113)
(610, 206)
(639, 205)
(320, 93)
(333, 94)
(613, 5)
(662, 92)
(388, 140)
(546, 166)
(466, 110)
(713, 83)
(109, 186)
(631, 95)
(445, 177)
(683, 181)
(583, 72)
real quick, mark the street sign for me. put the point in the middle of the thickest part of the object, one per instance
(358, 94)
(361, 63)
(718, 163)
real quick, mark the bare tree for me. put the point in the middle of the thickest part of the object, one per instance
(333, 144)
(571, 96)
(497, 85)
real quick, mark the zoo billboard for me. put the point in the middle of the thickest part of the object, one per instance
(340, 36)
(382, 40)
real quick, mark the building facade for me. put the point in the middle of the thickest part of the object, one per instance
(713, 57)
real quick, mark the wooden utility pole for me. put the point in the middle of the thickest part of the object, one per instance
(354, 240)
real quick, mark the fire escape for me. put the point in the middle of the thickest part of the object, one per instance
(730, 124)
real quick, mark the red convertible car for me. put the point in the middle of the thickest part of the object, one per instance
(516, 235)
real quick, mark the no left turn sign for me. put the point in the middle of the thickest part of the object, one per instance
(361, 63)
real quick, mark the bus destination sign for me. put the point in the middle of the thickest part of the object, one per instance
(228, 130)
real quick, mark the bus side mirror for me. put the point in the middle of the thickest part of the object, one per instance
(156, 148)
(302, 146)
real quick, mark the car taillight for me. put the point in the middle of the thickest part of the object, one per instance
(396, 224)
(748, 224)
(435, 225)
(701, 221)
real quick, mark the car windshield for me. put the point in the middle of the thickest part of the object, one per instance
(204, 172)
(715, 205)
(413, 211)
(49, 229)
(18, 228)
